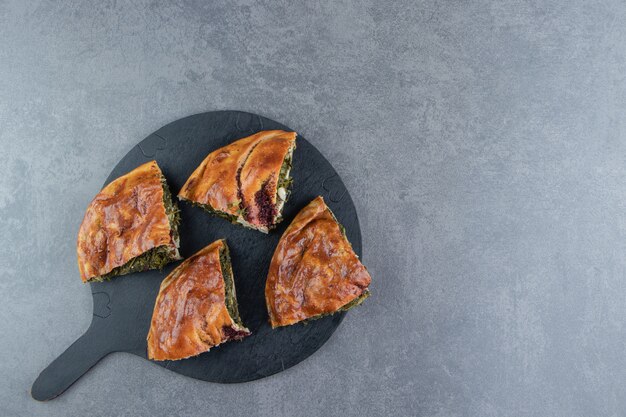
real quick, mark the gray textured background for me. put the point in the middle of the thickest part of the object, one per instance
(484, 144)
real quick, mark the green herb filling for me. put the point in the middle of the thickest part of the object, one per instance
(229, 286)
(284, 179)
(285, 182)
(155, 258)
(171, 210)
(206, 207)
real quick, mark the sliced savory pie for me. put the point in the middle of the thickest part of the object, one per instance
(130, 226)
(247, 181)
(314, 271)
(196, 308)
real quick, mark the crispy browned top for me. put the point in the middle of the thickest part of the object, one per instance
(314, 269)
(214, 182)
(259, 178)
(126, 219)
(190, 314)
(256, 159)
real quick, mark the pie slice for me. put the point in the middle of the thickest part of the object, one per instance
(196, 308)
(247, 181)
(130, 226)
(314, 271)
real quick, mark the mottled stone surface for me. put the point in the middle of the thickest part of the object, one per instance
(484, 144)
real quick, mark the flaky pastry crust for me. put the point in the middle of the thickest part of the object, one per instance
(126, 219)
(314, 270)
(190, 314)
(240, 179)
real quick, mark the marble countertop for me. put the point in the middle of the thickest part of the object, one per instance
(483, 143)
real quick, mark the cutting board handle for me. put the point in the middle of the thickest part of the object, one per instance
(69, 366)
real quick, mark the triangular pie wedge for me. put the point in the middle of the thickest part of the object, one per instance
(196, 308)
(247, 181)
(314, 271)
(130, 226)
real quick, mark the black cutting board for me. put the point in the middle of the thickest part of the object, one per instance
(122, 307)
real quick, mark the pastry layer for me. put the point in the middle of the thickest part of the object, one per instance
(314, 271)
(131, 225)
(242, 181)
(196, 308)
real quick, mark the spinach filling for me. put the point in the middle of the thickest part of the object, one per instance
(229, 286)
(171, 210)
(155, 258)
(284, 179)
(354, 303)
(158, 257)
(341, 228)
(231, 218)
(285, 182)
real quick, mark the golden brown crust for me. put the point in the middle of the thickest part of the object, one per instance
(214, 182)
(190, 314)
(126, 219)
(314, 270)
(238, 172)
(259, 178)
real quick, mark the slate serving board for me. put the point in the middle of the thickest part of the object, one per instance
(122, 307)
